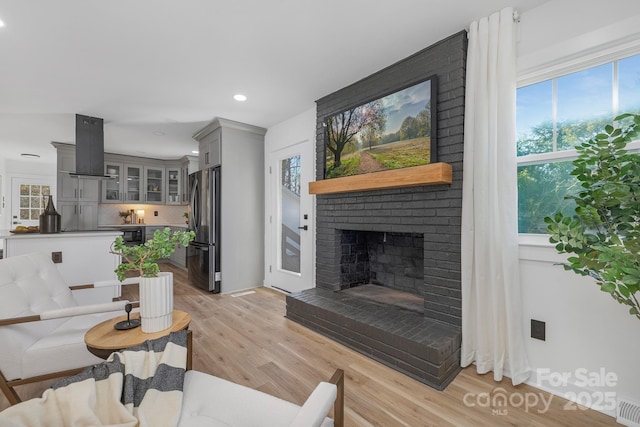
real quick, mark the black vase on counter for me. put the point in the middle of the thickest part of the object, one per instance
(50, 220)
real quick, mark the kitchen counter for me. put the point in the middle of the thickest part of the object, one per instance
(119, 226)
(6, 234)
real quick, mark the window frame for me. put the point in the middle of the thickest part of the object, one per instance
(553, 72)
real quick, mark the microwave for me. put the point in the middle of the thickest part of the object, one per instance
(132, 236)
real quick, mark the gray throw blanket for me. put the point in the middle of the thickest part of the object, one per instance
(139, 386)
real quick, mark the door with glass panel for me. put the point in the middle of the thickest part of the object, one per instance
(28, 197)
(291, 266)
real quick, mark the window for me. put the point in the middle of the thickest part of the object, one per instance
(551, 117)
(32, 200)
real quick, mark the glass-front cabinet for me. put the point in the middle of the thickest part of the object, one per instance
(112, 187)
(124, 184)
(144, 180)
(174, 186)
(133, 183)
(154, 185)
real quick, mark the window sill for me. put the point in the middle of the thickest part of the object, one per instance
(536, 247)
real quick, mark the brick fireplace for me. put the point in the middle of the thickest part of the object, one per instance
(388, 261)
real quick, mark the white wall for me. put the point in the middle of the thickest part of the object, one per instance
(4, 191)
(285, 134)
(585, 328)
(37, 168)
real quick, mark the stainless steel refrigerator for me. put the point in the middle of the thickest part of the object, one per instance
(203, 254)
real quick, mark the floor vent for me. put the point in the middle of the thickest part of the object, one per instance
(241, 294)
(628, 413)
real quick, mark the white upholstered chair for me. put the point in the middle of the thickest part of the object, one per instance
(210, 401)
(42, 326)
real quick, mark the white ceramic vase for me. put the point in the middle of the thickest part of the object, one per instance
(156, 302)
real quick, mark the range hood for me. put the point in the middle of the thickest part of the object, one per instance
(89, 148)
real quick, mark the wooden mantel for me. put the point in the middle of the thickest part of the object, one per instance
(432, 174)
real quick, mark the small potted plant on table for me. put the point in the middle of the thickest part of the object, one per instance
(156, 287)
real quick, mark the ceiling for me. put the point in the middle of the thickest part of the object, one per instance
(157, 71)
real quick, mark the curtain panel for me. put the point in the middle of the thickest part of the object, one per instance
(492, 330)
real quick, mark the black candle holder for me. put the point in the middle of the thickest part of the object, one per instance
(129, 323)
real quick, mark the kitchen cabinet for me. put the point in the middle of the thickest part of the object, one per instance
(112, 187)
(78, 197)
(72, 187)
(189, 165)
(76, 188)
(210, 149)
(175, 194)
(77, 215)
(154, 185)
(132, 183)
(125, 184)
(178, 180)
(134, 179)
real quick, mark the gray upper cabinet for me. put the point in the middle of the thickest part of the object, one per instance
(133, 175)
(154, 185)
(133, 180)
(125, 184)
(112, 187)
(210, 149)
(174, 185)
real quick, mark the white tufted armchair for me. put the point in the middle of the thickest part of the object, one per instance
(42, 326)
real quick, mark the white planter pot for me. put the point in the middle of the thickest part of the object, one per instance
(156, 302)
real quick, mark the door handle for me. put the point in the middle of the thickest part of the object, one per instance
(304, 227)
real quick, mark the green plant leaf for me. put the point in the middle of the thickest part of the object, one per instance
(608, 287)
(604, 233)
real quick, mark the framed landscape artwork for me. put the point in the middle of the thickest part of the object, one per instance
(392, 132)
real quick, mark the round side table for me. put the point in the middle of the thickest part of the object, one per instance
(103, 339)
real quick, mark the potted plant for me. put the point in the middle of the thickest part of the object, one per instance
(124, 215)
(604, 233)
(156, 288)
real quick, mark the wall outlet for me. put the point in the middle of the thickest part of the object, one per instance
(56, 257)
(155, 213)
(538, 330)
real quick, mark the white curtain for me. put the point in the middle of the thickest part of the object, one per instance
(492, 330)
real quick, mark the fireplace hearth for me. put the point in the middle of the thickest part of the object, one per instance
(379, 306)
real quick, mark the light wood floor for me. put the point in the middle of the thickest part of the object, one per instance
(248, 340)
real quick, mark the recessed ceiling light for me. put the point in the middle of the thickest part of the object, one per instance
(195, 152)
(30, 156)
(239, 97)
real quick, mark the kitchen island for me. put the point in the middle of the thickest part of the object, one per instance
(84, 257)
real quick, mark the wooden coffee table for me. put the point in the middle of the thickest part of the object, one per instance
(103, 339)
